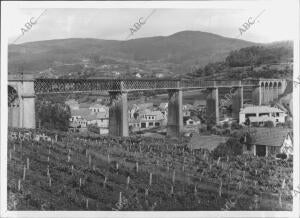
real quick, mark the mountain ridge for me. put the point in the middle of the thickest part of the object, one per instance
(175, 53)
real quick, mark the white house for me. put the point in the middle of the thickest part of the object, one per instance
(147, 119)
(99, 108)
(261, 114)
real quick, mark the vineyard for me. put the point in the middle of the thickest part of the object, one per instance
(68, 172)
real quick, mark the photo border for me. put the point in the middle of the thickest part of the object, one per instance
(5, 6)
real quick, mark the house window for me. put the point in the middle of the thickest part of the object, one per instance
(151, 124)
(250, 115)
(264, 114)
(261, 150)
(277, 120)
(277, 114)
(143, 125)
(191, 122)
(157, 124)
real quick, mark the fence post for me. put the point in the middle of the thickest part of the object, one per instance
(137, 167)
(128, 181)
(24, 172)
(104, 183)
(90, 160)
(150, 179)
(19, 184)
(173, 177)
(27, 160)
(120, 198)
(87, 203)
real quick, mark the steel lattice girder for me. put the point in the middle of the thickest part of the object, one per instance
(44, 86)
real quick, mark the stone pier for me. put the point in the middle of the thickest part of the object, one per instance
(212, 106)
(22, 114)
(237, 102)
(118, 114)
(257, 96)
(175, 116)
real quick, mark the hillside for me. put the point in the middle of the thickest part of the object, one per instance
(273, 60)
(174, 54)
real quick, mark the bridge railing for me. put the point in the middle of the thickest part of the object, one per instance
(45, 86)
(68, 85)
(150, 84)
(196, 83)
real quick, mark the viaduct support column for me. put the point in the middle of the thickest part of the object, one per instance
(267, 95)
(118, 114)
(257, 96)
(175, 117)
(275, 92)
(212, 106)
(271, 91)
(27, 104)
(237, 102)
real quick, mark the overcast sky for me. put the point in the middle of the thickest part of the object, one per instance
(274, 24)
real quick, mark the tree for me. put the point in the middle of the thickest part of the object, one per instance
(53, 115)
(93, 128)
(231, 148)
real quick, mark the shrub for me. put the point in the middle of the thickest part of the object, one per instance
(281, 155)
(225, 125)
(231, 148)
(235, 125)
(269, 124)
(255, 124)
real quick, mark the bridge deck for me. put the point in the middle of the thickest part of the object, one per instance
(46, 86)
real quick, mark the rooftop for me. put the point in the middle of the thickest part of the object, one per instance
(260, 109)
(80, 112)
(269, 136)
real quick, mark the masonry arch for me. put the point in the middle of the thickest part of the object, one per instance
(14, 104)
(266, 92)
(270, 92)
(275, 91)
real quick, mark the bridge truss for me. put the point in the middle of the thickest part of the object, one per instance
(47, 86)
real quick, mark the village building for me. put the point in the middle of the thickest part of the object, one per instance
(261, 114)
(73, 104)
(96, 114)
(146, 119)
(150, 119)
(99, 108)
(79, 114)
(191, 121)
(268, 141)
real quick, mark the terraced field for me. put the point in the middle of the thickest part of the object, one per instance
(107, 173)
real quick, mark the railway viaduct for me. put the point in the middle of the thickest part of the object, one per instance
(22, 93)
